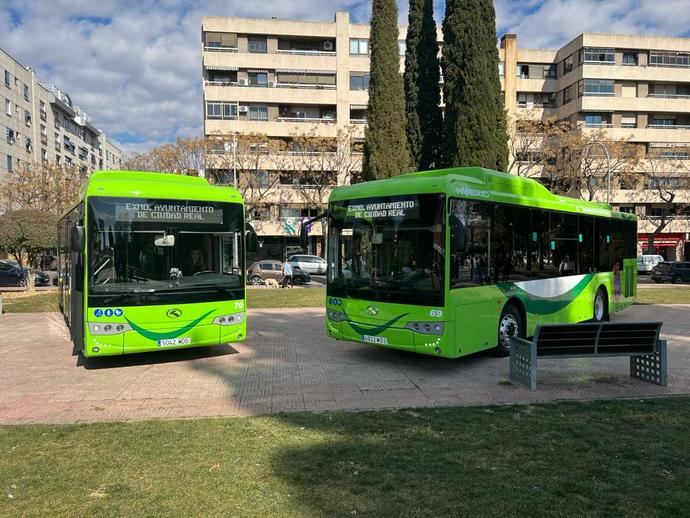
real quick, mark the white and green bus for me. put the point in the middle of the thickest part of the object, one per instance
(152, 261)
(456, 261)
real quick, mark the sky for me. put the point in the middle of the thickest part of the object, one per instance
(135, 65)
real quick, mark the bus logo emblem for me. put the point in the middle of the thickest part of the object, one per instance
(373, 310)
(174, 313)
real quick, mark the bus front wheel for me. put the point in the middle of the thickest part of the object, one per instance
(601, 313)
(510, 324)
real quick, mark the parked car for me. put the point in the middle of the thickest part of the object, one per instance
(259, 271)
(309, 263)
(11, 274)
(645, 263)
(41, 278)
(675, 272)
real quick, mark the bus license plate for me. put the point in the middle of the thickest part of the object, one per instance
(174, 341)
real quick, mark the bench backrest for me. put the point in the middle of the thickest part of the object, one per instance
(602, 338)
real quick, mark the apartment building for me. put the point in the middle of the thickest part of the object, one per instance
(634, 88)
(280, 78)
(43, 125)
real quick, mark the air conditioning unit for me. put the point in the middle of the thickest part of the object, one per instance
(242, 82)
(244, 109)
(327, 45)
(271, 84)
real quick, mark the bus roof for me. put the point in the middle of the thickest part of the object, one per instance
(476, 183)
(144, 184)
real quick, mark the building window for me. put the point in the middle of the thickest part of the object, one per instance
(600, 87)
(568, 94)
(568, 64)
(229, 111)
(501, 68)
(258, 113)
(10, 134)
(213, 110)
(359, 47)
(220, 41)
(669, 59)
(549, 71)
(359, 81)
(627, 209)
(599, 56)
(26, 92)
(630, 58)
(7, 79)
(9, 163)
(257, 44)
(663, 122)
(675, 155)
(258, 78)
(8, 107)
(593, 120)
(402, 48)
(629, 121)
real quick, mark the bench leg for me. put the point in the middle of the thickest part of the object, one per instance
(651, 367)
(523, 363)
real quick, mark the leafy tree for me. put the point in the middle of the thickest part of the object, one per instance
(385, 142)
(475, 123)
(27, 231)
(422, 94)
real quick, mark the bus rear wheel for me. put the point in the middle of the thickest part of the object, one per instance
(600, 310)
(510, 324)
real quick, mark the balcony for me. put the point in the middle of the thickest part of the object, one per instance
(297, 52)
(247, 60)
(214, 48)
(669, 126)
(270, 92)
(324, 120)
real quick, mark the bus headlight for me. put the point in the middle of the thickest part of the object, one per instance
(108, 329)
(336, 316)
(426, 328)
(229, 320)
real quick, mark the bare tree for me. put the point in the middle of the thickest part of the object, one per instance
(667, 184)
(184, 156)
(43, 186)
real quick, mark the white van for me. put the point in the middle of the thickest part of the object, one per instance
(645, 263)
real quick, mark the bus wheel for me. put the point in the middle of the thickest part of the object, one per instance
(510, 324)
(600, 313)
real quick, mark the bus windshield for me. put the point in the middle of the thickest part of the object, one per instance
(152, 251)
(388, 249)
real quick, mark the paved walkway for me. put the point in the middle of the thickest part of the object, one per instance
(287, 365)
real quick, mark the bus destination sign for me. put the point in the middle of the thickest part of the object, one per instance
(160, 212)
(391, 209)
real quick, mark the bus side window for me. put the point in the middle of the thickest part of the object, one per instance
(586, 244)
(563, 242)
(510, 240)
(469, 233)
(602, 245)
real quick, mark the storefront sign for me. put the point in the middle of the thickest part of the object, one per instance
(166, 212)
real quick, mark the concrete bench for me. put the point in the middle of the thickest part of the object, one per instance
(638, 340)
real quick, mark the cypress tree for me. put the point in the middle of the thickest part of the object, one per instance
(385, 144)
(475, 123)
(422, 94)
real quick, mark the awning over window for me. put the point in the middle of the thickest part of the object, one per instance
(221, 67)
(299, 71)
(358, 107)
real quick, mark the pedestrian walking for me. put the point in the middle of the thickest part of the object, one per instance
(287, 275)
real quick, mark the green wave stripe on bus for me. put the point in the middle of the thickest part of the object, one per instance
(374, 330)
(153, 335)
(547, 305)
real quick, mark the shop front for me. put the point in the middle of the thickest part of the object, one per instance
(672, 246)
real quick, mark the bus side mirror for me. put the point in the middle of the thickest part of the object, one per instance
(76, 242)
(252, 240)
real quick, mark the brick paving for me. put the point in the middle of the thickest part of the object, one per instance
(288, 365)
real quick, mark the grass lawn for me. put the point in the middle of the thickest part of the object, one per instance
(257, 298)
(618, 458)
(675, 295)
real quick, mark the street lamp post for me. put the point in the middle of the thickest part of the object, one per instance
(608, 168)
(234, 158)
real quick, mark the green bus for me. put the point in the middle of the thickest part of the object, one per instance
(451, 262)
(151, 261)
